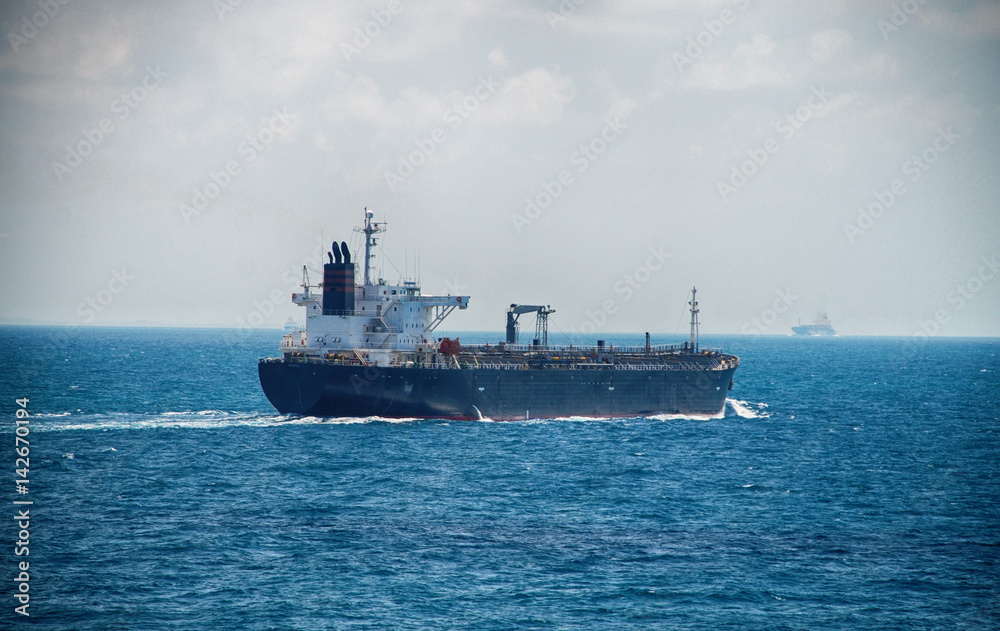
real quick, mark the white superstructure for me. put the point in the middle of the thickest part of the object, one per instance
(384, 324)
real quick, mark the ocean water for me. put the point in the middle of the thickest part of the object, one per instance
(853, 483)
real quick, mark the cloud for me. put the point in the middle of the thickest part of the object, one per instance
(273, 50)
(417, 31)
(631, 19)
(360, 99)
(880, 64)
(497, 59)
(750, 65)
(535, 96)
(979, 22)
(73, 45)
(71, 61)
(353, 118)
(825, 44)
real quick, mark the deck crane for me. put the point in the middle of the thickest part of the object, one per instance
(541, 312)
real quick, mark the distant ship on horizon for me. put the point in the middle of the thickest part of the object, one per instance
(820, 326)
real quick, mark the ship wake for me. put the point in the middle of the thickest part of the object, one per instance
(743, 409)
(214, 419)
(189, 419)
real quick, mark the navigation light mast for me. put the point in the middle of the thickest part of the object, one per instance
(694, 319)
(370, 229)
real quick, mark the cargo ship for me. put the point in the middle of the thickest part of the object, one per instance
(369, 350)
(820, 326)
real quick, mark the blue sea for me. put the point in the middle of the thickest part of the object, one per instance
(853, 483)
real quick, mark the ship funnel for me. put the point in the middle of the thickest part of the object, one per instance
(338, 282)
(347, 280)
(331, 257)
(330, 304)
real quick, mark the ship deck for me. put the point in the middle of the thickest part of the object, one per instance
(512, 357)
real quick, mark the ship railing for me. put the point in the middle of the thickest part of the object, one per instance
(672, 366)
(388, 328)
(582, 348)
(669, 366)
(432, 300)
(492, 349)
(356, 359)
(502, 365)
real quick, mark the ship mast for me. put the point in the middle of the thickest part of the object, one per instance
(370, 229)
(694, 319)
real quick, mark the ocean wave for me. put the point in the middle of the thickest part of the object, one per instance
(744, 409)
(205, 419)
(344, 420)
(209, 419)
(689, 417)
(193, 419)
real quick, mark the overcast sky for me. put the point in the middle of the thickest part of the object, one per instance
(178, 162)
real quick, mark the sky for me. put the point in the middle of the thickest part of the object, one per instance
(177, 163)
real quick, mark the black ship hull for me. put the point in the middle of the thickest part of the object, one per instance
(330, 390)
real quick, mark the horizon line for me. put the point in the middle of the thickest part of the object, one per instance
(159, 325)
